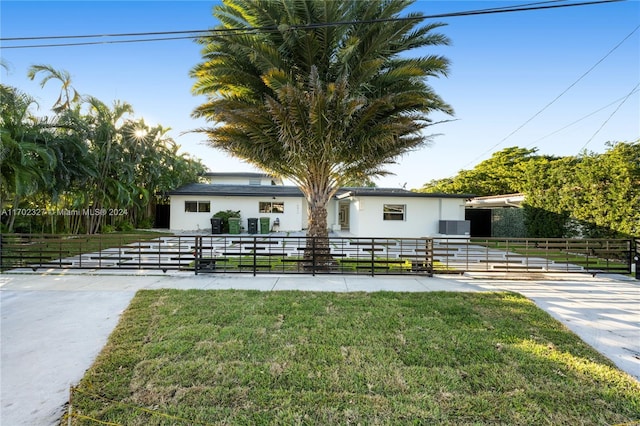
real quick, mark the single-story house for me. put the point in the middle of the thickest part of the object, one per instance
(358, 212)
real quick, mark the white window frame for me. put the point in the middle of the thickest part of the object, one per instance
(200, 206)
(268, 207)
(394, 212)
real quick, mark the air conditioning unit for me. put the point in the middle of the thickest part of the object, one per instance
(455, 227)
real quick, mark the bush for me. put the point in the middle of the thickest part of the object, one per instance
(108, 229)
(225, 215)
(145, 223)
(126, 226)
(541, 223)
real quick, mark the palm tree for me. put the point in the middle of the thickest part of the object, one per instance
(68, 95)
(25, 158)
(320, 92)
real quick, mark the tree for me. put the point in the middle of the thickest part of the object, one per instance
(302, 97)
(25, 158)
(598, 195)
(68, 95)
(501, 174)
(87, 157)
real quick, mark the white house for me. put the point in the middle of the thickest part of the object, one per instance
(391, 212)
(358, 212)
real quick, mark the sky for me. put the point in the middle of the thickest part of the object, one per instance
(505, 71)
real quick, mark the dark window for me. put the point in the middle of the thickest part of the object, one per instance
(197, 206)
(393, 211)
(271, 207)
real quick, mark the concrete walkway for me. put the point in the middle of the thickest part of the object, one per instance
(53, 326)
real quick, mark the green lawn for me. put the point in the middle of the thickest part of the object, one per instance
(249, 357)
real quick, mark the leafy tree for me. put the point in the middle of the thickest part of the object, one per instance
(89, 155)
(598, 194)
(319, 104)
(24, 157)
(501, 174)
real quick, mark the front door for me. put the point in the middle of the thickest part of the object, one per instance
(343, 216)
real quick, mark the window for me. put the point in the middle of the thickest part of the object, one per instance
(197, 206)
(271, 207)
(254, 181)
(393, 211)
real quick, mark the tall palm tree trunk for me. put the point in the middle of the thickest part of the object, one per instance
(317, 250)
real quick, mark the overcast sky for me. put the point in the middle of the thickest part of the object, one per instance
(505, 69)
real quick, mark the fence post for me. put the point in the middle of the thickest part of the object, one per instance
(313, 256)
(197, 247)
(372, 257)
(636, 257)
(255, 253)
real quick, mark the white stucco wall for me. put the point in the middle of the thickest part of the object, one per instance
(422, 216)
(292, 219)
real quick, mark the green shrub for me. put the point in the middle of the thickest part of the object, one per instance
(225, 215)
(541, 223)
(126, 226)
(108, 229)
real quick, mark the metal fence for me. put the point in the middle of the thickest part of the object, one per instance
(219, 254)
(260, 254)
(533, 255)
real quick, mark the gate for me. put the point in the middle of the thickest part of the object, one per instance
(302, 255)
(219, 253)
(532, 255)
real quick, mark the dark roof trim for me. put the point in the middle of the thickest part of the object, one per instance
(393, 192)
(209, 189)
(237, 174)
(204, 189)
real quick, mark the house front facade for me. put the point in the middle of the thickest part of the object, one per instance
(357, 212)
(193, 205)
(384, 212)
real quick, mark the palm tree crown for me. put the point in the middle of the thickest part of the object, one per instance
(318, 91)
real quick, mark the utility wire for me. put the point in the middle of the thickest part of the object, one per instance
(212, 32)
(580, 119)
(556, 98)
(612, 114)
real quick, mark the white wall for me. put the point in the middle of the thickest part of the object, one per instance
(291, 220)
(422, 216)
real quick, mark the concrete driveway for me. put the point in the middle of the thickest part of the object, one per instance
(53, 326)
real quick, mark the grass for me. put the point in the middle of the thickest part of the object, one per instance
(289, 263)
(249, 357)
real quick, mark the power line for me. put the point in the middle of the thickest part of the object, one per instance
(210, 32)
(582, 118)
(612, 114)
(556, 98)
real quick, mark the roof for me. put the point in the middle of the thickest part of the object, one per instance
(293, 191)
(237, 190)
(237, 174)
(393, 192)
(507, 200)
